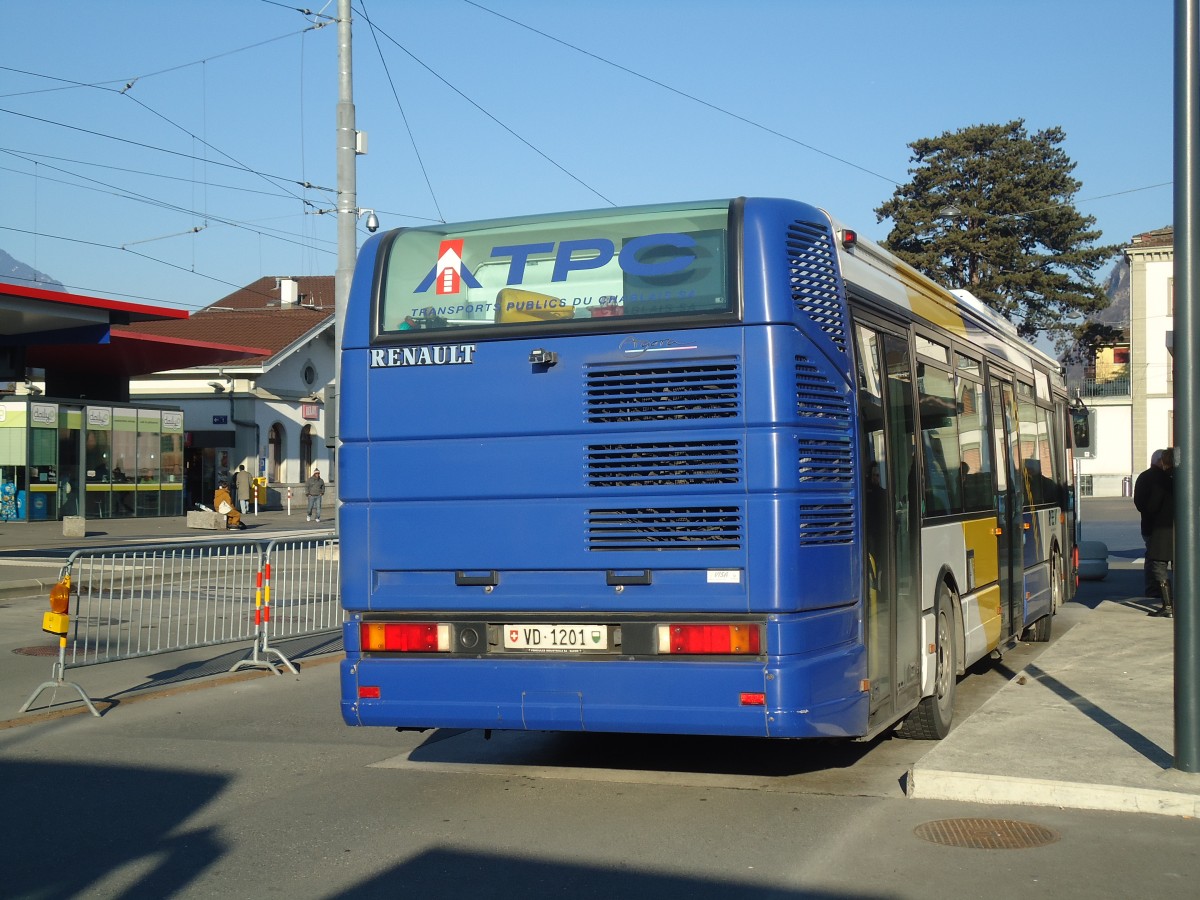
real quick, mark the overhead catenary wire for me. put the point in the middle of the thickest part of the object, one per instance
(68, 84)
(237, 164)
(160, 204)
(279, 183)
(146, 256)
(31, 156)
(685, 94)
(187, 156)
(403, 116)
(478, 107)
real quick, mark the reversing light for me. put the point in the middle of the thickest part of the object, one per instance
(711, 638)
(405, 637)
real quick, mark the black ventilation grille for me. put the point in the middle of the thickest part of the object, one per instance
(827, 524)
(687, 528)
(664, 464)
(827, 462)
(708, 390)
(816, 395)
(814, 282)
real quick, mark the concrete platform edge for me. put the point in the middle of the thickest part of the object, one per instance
(30, 587)
(1005, 789)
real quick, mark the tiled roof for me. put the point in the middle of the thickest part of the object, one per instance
(253, 316)
(315, 291)
(1161, 237)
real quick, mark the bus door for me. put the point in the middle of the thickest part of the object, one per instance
(891, 522)
(1009, 520)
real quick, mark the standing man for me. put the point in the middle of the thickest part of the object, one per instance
(241, 483)
(314, 490)
(1154, 497)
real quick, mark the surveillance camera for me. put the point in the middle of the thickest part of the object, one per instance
(372, 222)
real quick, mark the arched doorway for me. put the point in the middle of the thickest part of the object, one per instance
(275, 453)
(306, 451)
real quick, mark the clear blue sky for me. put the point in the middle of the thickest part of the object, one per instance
(502, 120)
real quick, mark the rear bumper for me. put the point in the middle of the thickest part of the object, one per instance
(816, 696)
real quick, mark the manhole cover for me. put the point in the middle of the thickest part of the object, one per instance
(37, 651)
(985, 834)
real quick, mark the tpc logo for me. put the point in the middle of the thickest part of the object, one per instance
(645, 256)
(449, 271)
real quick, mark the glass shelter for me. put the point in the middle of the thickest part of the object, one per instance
(62, 458)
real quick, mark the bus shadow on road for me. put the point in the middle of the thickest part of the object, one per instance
(689, 758)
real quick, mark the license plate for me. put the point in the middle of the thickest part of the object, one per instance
(556, 638)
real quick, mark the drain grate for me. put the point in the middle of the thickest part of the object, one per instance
(37, 651)
(985, 834)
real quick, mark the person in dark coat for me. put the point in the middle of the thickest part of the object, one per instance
(314, 490)
(1154, 497)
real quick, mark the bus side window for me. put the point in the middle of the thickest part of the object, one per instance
(940, 443)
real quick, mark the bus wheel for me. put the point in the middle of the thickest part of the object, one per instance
(1056, 582)
(931, 719)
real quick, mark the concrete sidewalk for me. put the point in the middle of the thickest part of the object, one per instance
(1090, 725)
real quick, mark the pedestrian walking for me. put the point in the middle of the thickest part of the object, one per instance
(314, 490)
(241, 483)
(1154, 497)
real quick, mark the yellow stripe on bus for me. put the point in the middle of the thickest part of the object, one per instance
(980, 536)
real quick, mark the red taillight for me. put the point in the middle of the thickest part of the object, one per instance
(368, 692)
(405, 637)
(752, 698)
(723, 638)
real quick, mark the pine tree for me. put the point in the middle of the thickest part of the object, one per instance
(990, 208)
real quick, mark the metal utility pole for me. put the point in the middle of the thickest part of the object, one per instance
(347, 215)
(1187, 388)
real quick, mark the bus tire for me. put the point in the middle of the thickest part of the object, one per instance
(933, 715)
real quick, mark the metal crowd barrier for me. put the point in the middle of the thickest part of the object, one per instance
(128, 602)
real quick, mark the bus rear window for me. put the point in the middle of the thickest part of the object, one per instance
(552, 274)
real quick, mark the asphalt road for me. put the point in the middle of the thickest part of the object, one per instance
(256, 789)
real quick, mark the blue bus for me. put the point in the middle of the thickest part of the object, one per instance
(720, 468)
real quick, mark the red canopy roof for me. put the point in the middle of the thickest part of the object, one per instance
(72, 333)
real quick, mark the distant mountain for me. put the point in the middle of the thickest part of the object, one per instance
(1117, 288)
(16, 272)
